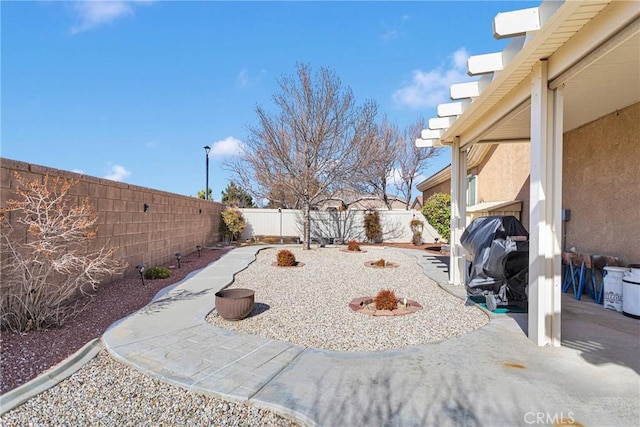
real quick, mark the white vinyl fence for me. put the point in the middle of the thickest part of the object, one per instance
(328, 226)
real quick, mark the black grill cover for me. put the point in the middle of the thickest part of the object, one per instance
(498, 249)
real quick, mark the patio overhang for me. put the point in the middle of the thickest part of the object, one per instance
(569, 63)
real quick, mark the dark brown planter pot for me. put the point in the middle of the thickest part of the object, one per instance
(234, 304)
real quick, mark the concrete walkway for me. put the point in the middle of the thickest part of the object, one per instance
(492, 376)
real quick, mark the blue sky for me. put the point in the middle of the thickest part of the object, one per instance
(133, 90)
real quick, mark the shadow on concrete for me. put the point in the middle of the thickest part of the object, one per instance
(600, 335)
(441, 262)
(343, 397)
(173, 297)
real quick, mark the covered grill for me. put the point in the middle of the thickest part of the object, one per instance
(498, 251)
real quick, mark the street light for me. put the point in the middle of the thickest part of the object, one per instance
(206, 189)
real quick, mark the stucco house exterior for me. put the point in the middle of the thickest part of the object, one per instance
(553, 122)
(497, 181)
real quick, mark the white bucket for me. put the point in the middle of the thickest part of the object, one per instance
(631, 291)
(613, 287)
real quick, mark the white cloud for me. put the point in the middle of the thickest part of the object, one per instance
(95, 13)
(390, 35)
(429, 88)
(244, 79)
(227, 147)
(117, 173)
(80, 171)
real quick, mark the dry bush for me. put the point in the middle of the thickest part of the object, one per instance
(45, 257)
(286, 258)
(386, 300)
(354, 246)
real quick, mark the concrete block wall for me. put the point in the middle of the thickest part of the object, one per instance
(172, 223)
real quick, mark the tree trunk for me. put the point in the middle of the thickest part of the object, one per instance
(306, 214)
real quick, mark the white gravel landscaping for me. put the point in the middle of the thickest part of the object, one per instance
(309, 305)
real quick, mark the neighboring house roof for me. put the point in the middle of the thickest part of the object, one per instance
(475, 156)
(356, 200)
(417, 203)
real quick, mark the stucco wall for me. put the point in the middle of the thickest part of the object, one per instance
(503, 175)
(172, 224)
(444, 187)
(601, 186)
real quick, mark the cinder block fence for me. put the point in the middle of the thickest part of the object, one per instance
(145, 226)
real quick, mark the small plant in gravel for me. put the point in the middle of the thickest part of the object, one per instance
(380, 263)
(286, 258)
(157, 273)
(386, 300)
(353, 246)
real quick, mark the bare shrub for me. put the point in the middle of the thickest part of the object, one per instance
(46, 261)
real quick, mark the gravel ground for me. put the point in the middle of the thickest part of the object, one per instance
(25, 356)
(107, 393)
(308, 305)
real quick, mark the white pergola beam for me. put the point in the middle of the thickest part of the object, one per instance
(495, 62)
(517, 22)
(469, 89)
(431, 133)
(483, 64)
(441, 122)
(428, 143)
(453, 108)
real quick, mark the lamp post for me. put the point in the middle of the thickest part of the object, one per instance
(206, 188)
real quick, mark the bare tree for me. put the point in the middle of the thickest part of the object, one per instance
(46, 256)
(383, 151)
(312, 146)
(412, 159)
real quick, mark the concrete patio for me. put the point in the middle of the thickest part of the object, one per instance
(492, 376)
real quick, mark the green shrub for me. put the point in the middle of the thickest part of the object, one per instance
(437, 211)
(157, 273)
(234, 221)
(386, 300)
(373, 227)
(286, 258)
